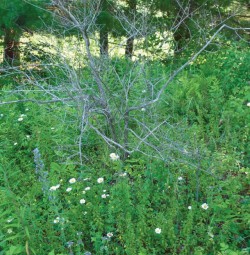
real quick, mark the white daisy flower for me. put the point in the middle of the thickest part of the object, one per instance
(68, 189)
(110, 234)
(204, 206)
(10, 230)
(100, 180)
(211, 234)
(72, 180)
(157, 230)
(82, 201)
(114, 156)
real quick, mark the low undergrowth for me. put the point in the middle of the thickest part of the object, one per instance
(196, 203)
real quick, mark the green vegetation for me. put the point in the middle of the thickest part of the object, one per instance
(92, 163)
(18, 17)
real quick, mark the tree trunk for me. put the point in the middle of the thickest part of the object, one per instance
(180, 37)
(104, 42)
(129, 47)
(130, 41)
(11, 47)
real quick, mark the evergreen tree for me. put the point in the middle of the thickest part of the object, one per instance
(106, 23)
(130, 40)
(17, 17)
(191, 20)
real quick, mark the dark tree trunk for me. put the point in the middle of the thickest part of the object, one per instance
(129, 47)
(11, 47)
(104, 42)
(180, 37)
(130, 41)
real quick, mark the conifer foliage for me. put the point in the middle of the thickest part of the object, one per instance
(17, 17)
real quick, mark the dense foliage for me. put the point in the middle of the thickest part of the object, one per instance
(193, 205)
(18, 17)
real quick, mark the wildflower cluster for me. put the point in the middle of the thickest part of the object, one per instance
(105, 195)
(21, 118)
(59, 220)
(123, 174)
(53, 188)
(72, 181)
